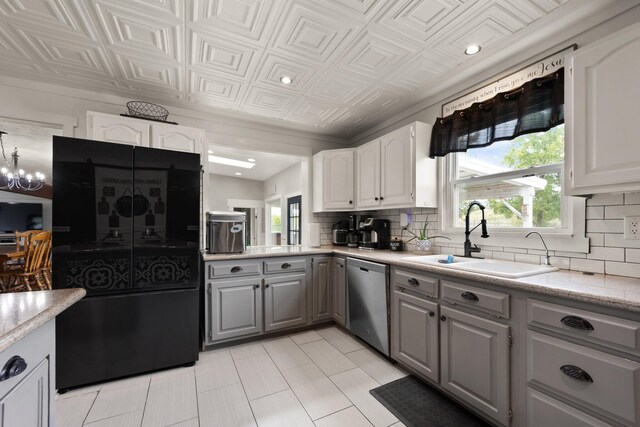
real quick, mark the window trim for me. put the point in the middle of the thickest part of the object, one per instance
(570, 238)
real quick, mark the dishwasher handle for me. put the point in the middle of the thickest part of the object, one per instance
(366, 270)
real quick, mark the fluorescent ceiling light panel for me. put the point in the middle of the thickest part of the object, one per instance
(231, 162)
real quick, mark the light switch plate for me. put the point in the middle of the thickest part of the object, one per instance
(632, 227)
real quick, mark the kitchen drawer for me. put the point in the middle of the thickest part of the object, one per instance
(606, 330)
(602, 382)
(285, 265)
(543, 410)
(494, 303)
(216, 270)
(416, 282)
(32, 349)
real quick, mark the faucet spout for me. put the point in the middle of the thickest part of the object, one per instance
(468, 249)
(545, 258)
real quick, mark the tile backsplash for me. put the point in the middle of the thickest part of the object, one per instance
(609, 252)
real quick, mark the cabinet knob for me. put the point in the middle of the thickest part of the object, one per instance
(381, 198)
(576, 373)
(266, 285)
(376, 198)
(443, 317)
(256, 286)
(576, 322)
(350, 202)
(432, 314)
(14, 367)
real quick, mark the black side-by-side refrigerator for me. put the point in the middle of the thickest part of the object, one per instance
(126, 227)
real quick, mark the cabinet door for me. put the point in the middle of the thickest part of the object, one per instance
(339, 275)
(337, 179)
(475, 361)
(397, 167)
(414, 338)
(27, 404)
(602, 147)
(321, 289)
(285, 301)
(235, 309)
(177, 138)
(368, 175)
(118, 129)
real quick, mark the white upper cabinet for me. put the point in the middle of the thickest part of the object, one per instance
(178, 138)
(602, 148)
(118, 129)
(368, 175)
(333, 180)
(395, 171)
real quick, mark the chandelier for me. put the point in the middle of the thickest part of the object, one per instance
(13, 178)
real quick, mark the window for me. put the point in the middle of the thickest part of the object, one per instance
(294, 209)
(519, 181)
(273, 219)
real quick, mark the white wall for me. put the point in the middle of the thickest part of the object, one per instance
(288, 183)
(222, 188)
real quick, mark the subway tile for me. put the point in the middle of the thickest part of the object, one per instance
(515, 250)
(595, 212)
(560, 262)
(528, 258)
(596, 239)
(619, 212)
(605, 226)
(607, 254)
(623, 269)
(632, 255)
(588, 265)
(618, 241)
(506, 256)
(605, 199)
(571, 254)
(632, 199)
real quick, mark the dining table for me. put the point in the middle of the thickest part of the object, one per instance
(9, 253)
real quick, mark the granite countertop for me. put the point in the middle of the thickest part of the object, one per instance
(23, 312)
(613, 291)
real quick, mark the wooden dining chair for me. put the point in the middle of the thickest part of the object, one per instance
(29, 276)
(45, 271)
(23, 238)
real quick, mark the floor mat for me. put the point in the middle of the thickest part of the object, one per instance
(417, 404)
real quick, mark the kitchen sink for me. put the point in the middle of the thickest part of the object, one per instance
(511, 270)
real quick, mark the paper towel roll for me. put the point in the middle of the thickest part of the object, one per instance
(314, 235)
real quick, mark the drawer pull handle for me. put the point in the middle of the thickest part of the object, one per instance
(236, 269)
(469, 296)
(576, 373)
(413, 282)
(14, 367)
(285, 265)
(576, 322)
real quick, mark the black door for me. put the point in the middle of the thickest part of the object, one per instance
(92, 215)
(294, 218)
(166, 229)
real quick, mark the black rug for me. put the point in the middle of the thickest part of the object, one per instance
(417, 404)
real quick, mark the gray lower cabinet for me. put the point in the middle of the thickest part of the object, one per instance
(415, 335)
(543, 410)
(285, 302)
(475, 361)
(321, 305)
(339, 275)
(27, 404)
(235, 308)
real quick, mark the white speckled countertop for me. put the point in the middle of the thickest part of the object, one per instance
(23, 312)
(613, 291)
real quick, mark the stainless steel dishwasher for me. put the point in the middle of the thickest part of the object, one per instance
(368, 289)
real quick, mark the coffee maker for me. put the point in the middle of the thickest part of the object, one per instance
(353, 237)
(375, 233)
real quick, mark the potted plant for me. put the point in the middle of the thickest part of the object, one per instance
(422, 238)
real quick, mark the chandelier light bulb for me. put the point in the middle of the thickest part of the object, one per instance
(29, 177)
(10, 175)
(4, 171)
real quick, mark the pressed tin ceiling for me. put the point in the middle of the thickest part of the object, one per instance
(353, 62)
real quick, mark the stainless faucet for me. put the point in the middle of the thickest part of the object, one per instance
(468, 250)
(545, 258)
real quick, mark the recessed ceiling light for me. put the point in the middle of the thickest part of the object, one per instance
(472, 49)
(286, 80)
(231, 162)
(251, 160)
(238, 173)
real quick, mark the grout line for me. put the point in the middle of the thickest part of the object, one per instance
(114, 416)
(195, 383)
(144, 410)
(245, 391)
(90, 407)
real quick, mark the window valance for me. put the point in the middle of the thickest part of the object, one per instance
(536, 106)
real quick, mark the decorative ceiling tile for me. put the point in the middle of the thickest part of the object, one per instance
(312, 111)
(246, 19)
(217, 53)
(215, 89)
(420, 70)
(275, 66)
(337, 88)
(312, 33)
(372, 57)
(150, 75)
(268, 101)
(378, 99)
(61, 16)
(129, 32)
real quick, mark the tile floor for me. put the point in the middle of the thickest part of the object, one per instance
(320, 377)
